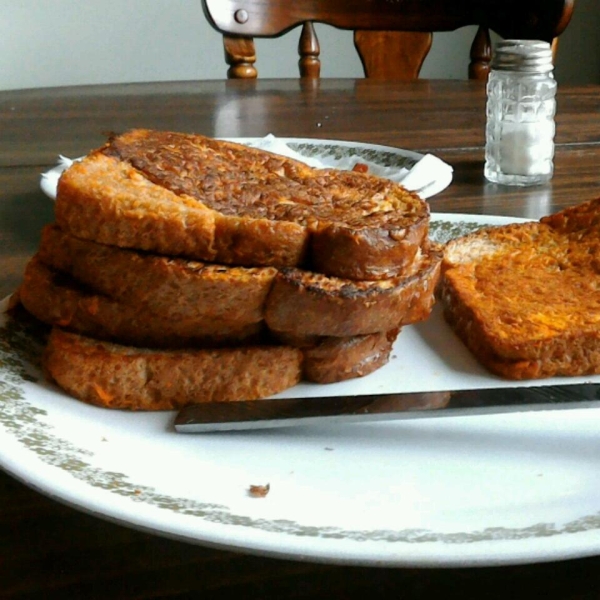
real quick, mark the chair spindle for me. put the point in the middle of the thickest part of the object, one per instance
(309, 50)
(240, 55)
(481, 55)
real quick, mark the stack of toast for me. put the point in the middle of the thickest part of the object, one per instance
(183, 269)
(525, 298)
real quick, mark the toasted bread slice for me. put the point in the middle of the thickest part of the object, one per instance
(581, 221)
(525, 298)
(300, 303)
(303, 304)
(116, 376)
(205, 199)
(56, 299)
(174, 288)
(339, 359)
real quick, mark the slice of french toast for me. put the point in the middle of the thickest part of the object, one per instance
(173, 288)
(123, 377)
(183, 268)
(334, 359)
(293, 301)
(113, 375)
(525, 298)
(57, 299)
(188, 195)
(303, 303)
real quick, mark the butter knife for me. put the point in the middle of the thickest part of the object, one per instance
(286, 412)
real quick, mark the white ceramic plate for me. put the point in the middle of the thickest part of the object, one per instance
(434, 492)
(384, 161)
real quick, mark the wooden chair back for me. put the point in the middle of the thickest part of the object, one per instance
(393, 38)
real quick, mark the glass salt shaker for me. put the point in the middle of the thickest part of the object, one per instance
(521, 103)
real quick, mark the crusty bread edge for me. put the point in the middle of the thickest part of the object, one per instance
(123, 377)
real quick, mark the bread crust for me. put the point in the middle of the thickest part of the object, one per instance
(339, 359)
(525, 298)
(57, 300)
(300, 303)
(188, 195)
(174, 288)
(115, 376)
(583, 218)
(303, 304)
(171, 252)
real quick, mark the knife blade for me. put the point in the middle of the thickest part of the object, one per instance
(286, 412)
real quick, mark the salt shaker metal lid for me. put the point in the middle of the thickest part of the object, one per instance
(525, 56)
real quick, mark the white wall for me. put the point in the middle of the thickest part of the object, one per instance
(64, 42)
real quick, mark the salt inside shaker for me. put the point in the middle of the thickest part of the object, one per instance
(521, 103)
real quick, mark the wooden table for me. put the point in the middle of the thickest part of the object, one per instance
(48, 550)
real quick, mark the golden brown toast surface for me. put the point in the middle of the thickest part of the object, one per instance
(59, 300)
(116, 376)
(293, 301)
(302, 303)
(338, 359)
(526, 297)
(174, 288)
(188, 195)
(173, 254)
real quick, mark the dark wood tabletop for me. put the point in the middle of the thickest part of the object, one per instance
(49, 550)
